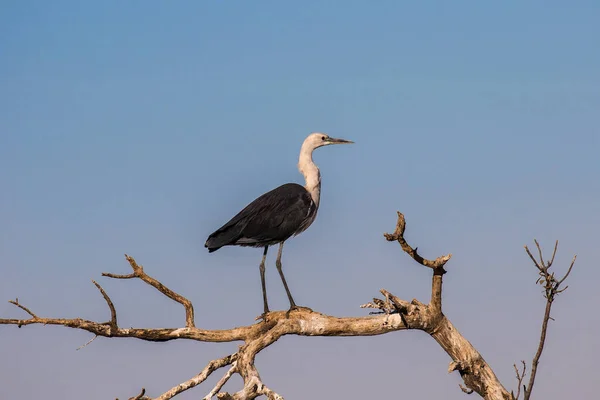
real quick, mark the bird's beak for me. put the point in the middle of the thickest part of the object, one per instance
(339, 141)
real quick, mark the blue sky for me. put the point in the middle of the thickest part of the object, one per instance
(140, 127)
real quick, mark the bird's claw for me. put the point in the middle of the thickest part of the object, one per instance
(297, 308)
(264, 317)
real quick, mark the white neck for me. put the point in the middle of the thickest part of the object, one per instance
(311, 173)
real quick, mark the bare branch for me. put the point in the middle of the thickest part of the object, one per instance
(86, 343)
(138, 272)
(553, 253)
(533, 258)
(398, 236)
(476, 373)
(436, 290)
(538, 354)
(520, 376)
(437, 265)
(400, 305)
(271, 395)
(551, 290)
(474, 370)
(567, 274)
(111, 306)
(540, 252)
(221, 382)
(253, 387)
(22, 307)
(198, 379)
(396, 314)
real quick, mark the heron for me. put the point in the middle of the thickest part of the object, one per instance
(277, 215)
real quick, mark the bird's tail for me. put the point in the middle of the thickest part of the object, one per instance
(223, 237)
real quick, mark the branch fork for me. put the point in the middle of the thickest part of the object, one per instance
(393, 314)
(552, 288)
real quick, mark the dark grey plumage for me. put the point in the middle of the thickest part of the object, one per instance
(270, 219)
(277, 215)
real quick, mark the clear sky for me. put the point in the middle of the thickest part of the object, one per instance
(139, 127)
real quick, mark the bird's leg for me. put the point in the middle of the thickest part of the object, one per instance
(278, 264)
(262, 281)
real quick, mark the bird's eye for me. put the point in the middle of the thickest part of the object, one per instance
(322, 137)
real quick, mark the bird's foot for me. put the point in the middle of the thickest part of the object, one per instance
(264, 316)
(297, 308)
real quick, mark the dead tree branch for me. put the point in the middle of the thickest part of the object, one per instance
(256, 337)
(394, 314)
(113, 313)
(138, 272)
(398, 235)
(520, 376)
(552, 288)
(221, 382)
(201, 377)
(474, 370)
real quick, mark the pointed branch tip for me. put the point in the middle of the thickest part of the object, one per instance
(398, 236)
(22, 307)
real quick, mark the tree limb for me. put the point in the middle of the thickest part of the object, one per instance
(394, 314)
(474, 370)
(398, 236)
(520, 376)
(138, 272)
(113, 313)
(201, 377)
(221, 382)
(552, 288)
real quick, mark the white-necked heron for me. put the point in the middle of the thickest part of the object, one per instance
(279, 214)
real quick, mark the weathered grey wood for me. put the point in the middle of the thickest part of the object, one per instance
(393, 314)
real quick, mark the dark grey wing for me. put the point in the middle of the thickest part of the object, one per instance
(272, 217)
(280, 214)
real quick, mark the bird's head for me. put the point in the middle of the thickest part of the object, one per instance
(317, 139)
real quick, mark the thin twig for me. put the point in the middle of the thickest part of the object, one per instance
(520, 376)
(27, 310)
(540, 252)
(568, 271)
(532, 258)
(221, 382)
(553, 253)
(138, 272)
(88, 342)
(111, 306)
